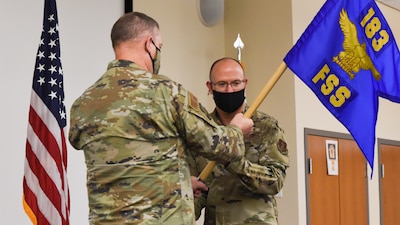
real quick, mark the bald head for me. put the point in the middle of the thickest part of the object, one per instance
(226, 75)
(227, 85)
(226, 67)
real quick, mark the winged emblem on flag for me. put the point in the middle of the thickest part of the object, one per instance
(354, 55)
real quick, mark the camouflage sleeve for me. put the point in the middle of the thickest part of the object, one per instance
(267, 174)
(75, 131)
(203, 135)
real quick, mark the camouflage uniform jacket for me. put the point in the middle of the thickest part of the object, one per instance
(243, 192)
(135, 129)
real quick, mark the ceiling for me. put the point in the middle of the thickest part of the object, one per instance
(391, 3)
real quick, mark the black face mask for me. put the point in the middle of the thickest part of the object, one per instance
(229, 102)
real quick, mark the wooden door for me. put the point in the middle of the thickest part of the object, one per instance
(353, 184)
(341, 199)
(390, 184)
(323, 189)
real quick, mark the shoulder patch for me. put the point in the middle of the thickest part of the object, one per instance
(193, 102)
(282, 147)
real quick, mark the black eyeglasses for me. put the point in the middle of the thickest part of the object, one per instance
(222, 85)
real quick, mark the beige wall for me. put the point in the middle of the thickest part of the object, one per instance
(268, 30)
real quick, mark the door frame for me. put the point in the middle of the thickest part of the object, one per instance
(324, 133)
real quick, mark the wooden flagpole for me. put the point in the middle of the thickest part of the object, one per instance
(260, 98)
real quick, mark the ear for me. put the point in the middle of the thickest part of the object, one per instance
(147, 44)
(209, 86)
(245, 82)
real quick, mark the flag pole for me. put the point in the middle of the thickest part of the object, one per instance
(253, 107)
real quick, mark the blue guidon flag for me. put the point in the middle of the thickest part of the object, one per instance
(348, 57)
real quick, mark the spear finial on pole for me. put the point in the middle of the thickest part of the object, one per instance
(239, 45)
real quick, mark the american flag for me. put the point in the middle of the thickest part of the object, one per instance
(45, 186)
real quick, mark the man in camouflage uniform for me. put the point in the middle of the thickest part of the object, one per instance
(242, 192)
(135, 128)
